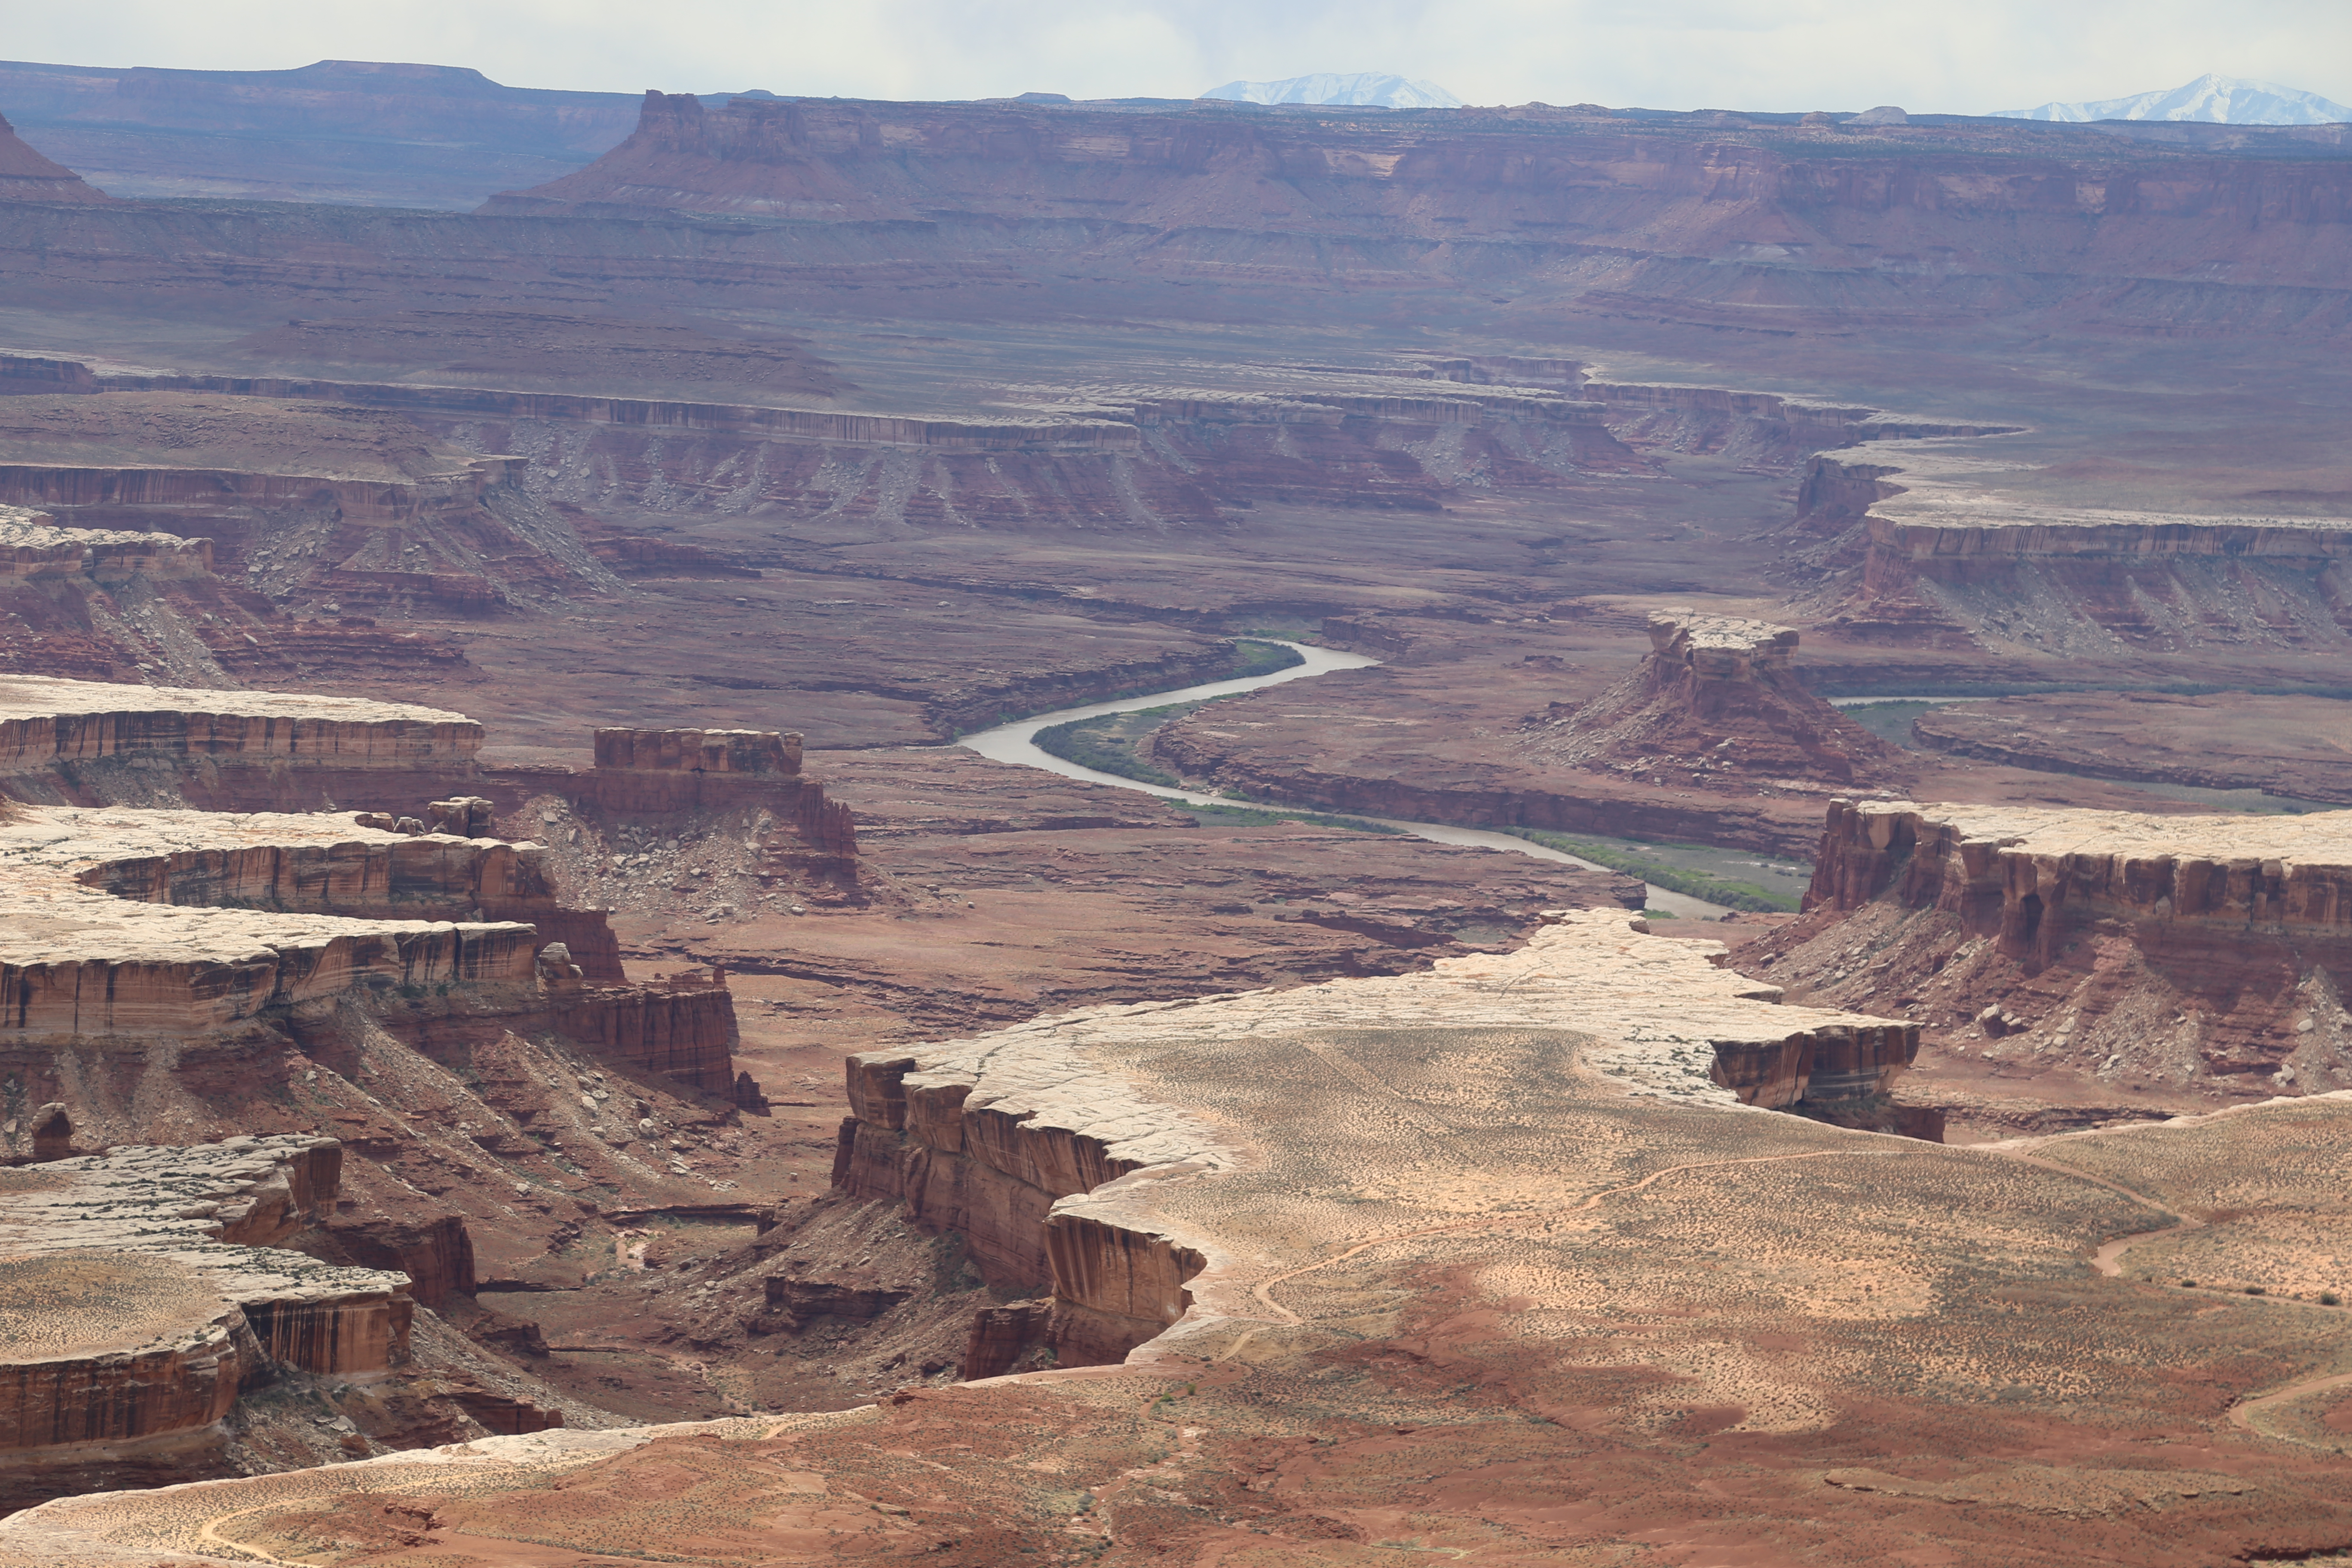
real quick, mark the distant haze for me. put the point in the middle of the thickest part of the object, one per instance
(1773, 54)
(2223, 99)
(1363, 88)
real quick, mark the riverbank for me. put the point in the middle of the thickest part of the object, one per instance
(1016, 742)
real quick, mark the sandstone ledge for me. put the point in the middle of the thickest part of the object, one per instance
(139, 1288)
(45, 722)
(75, 958)
(1038, 1146)
(2030, 874)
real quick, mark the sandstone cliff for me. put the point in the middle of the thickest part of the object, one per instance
(2198, 955)
(1032, 1149)
(1930, 549)
(79, 741)
(1708, 183)
(146, 1287)
(316, 502)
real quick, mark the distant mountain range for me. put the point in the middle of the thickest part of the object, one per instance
(1363, 88)
(2223, 99)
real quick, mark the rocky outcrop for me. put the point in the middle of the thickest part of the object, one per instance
(1945, 558)
(133, 967)
(684, 1027)
(2192, 955)
(32, 547)
(642, 772)
(145, 1289)
(323, 504)
(27, 176)
(1762, 429)
(195, 927)
(1717, 697)
(145, 1286)
(228, 750)
(2037, 878)
(760, 752)
(1447, 176)
(1034, 1149)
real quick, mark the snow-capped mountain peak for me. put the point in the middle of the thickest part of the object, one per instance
(2222, 100)
(1363, 88)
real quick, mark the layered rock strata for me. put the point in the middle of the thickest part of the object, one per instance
(119, 926)
(1954, 552)
(671, 774)
(334, 506)
(1717, 697)
(2087, 957)
(2035, 877)
(32, 546)
(229, 750)
(79, 959)
(25, 175)
(1023, 1142)
(142, 1289)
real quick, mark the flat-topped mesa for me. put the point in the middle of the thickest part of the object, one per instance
(119, 927)
(1954, 550)
(641, 773)
(1026, 1142)
(1718, 647)
(1716, 701)
(2037, 876)
(181, 923)
(71, 741)
(764, 753)
(33, 546)
(141, 1289)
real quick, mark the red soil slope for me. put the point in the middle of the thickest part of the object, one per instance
(27, 176)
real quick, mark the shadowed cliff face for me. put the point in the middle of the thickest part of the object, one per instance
(27, 175)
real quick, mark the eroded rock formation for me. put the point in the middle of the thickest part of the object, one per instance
(1931, 549)
(73, 741)
(319, 504)
(1024, 1143)
(1717, 701)
(2196, 955)
(144, 1288)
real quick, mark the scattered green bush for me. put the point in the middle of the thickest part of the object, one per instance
(1081, 741)
(1675, 879)
(1264, 659)
(1268, 817)
(2330, 1299)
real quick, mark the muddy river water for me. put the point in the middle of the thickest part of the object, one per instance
(1017, 743)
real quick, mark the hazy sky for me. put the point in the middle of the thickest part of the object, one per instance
(1948, 56)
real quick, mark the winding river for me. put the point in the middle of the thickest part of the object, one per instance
(1017, 743)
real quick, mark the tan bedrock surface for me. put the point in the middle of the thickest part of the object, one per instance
(77, 959)
(1467, 1296)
